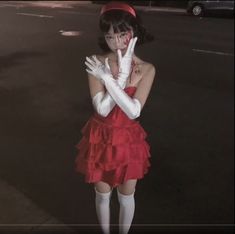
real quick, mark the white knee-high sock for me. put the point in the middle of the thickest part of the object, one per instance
(102, 201)
(126, 213)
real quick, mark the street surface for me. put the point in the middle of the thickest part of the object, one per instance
(44, 103)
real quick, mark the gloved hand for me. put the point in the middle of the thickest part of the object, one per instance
(99, 70)
(125, 62)
(102, 71)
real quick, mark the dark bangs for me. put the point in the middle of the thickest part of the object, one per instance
(121, 21)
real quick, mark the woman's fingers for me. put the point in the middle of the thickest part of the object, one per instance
(119, 53)
(89, 65)
(107, 63)
(90, 61)
(129, 46)
(90, 72)
(133, 44)
(96, 60)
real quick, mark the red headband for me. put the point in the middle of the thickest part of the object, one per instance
(118, 6)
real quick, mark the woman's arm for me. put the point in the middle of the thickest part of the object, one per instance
(102, 101)
(131, 106)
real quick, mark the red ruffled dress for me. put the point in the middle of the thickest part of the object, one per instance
(113, 149)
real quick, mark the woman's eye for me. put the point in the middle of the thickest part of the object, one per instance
(123, 34)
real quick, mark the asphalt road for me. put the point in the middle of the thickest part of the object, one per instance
(44, 103)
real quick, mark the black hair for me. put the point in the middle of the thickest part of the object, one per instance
(122, 21)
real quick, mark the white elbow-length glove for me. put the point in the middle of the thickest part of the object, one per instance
(131, 107)
(103, 102)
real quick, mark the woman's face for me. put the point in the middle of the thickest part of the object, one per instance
(119, 40)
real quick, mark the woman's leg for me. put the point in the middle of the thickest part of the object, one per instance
(102, 200)
(127, 205)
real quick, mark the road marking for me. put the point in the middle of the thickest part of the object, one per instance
(35, 15)
(77, 13)
(70, 33)
(164, 9)
(6, 5)
(213, 52)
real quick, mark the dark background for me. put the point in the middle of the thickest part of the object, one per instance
(189, 116)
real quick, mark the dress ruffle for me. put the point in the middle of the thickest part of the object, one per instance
(112, 153)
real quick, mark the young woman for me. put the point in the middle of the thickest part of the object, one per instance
(113, 151)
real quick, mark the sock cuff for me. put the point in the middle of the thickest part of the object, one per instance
(123, 196)
(105, 195)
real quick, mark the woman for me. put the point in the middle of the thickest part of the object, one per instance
(113, 151)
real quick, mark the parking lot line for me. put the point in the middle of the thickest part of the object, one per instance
(213, 52)
(35, 15)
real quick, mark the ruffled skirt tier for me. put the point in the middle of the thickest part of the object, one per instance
(112, 154)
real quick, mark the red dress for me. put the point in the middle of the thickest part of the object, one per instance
(113, 148)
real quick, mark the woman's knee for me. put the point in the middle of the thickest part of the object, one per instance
(128, 187)
(102, 187)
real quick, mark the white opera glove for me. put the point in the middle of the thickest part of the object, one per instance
(103, 102)
(130, 106)
(125, 62)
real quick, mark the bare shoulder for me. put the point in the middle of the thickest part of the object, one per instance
(147, 75)
(149, 68)
(144, 65)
